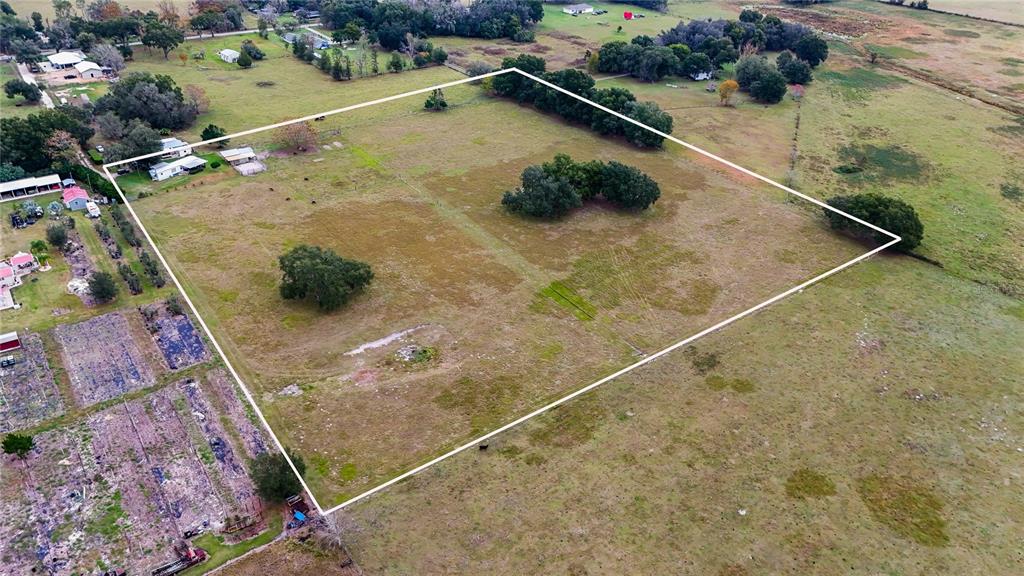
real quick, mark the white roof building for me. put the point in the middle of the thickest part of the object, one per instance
(238, 154)
(174, 148)
(30, 186)
(85, 66)
(229, 55)
(578, 9)
(65, 59)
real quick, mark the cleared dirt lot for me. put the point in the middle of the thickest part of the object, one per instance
(417, 195)
(119, 488)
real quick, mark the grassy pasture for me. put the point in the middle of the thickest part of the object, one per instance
(949, 157)
(877, 435)
(951, 50)
(238, 102)
(1001, 10)
(45, 7)
(519, 312)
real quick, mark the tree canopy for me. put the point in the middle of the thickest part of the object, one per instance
(890, 214)
(542, 195)
(102, 287)
(155, 99)
(274, 479)
(322, 275)
(18, 444)
(555, 188)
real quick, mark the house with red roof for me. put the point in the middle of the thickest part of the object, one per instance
(23, 262)
(75, 198)
(11, 272)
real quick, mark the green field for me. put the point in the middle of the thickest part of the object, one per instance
(449, 261)
(277, 88)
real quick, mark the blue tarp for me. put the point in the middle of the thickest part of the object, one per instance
(300, 516)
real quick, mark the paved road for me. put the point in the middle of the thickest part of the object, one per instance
(204, 36)
(31, 79)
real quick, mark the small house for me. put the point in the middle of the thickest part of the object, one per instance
(577, 9)
(67, 182)
(75, 198)
(89, 70)
(62, 60)
(228, 55)
(290, 38)
(165, 170)
(174, 148)
(9, 341)
(92, 210)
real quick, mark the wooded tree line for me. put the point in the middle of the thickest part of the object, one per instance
(546, 99)
(703, 46)
(388, 22)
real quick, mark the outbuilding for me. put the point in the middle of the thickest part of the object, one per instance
(228, 55)
(30, 186)
(165, 170)
(9, 341)
(577, 9)
(75, 198)
(174, 148)
(89, 70)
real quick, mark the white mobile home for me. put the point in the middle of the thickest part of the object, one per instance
(165, 170)
(174, 148)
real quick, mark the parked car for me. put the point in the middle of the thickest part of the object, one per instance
(99, 148)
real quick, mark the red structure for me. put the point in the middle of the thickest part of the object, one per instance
(627, 15)
(9, 341)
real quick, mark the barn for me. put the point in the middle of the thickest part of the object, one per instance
(90, 70)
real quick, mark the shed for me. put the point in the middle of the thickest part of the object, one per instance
(174, 148)
(235, 156)
(62, 60)
(9, 341)
(88, 69)
(228, 55)
(577, 9)
(75, 198)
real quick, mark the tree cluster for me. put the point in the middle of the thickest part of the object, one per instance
(154, 99)
(702, 46)
(24, 142)
(322, 275)
(526, 90)
(761, 79)
(555, 188)
(18, 87)
(887, 213)
(273, 477)
(388, 22)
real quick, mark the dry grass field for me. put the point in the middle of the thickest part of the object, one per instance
(517, 312)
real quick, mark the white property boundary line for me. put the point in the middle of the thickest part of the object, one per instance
(476, 441)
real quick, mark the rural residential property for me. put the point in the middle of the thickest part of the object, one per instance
(504, 287)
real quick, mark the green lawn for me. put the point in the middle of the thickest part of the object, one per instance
(280, 87)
